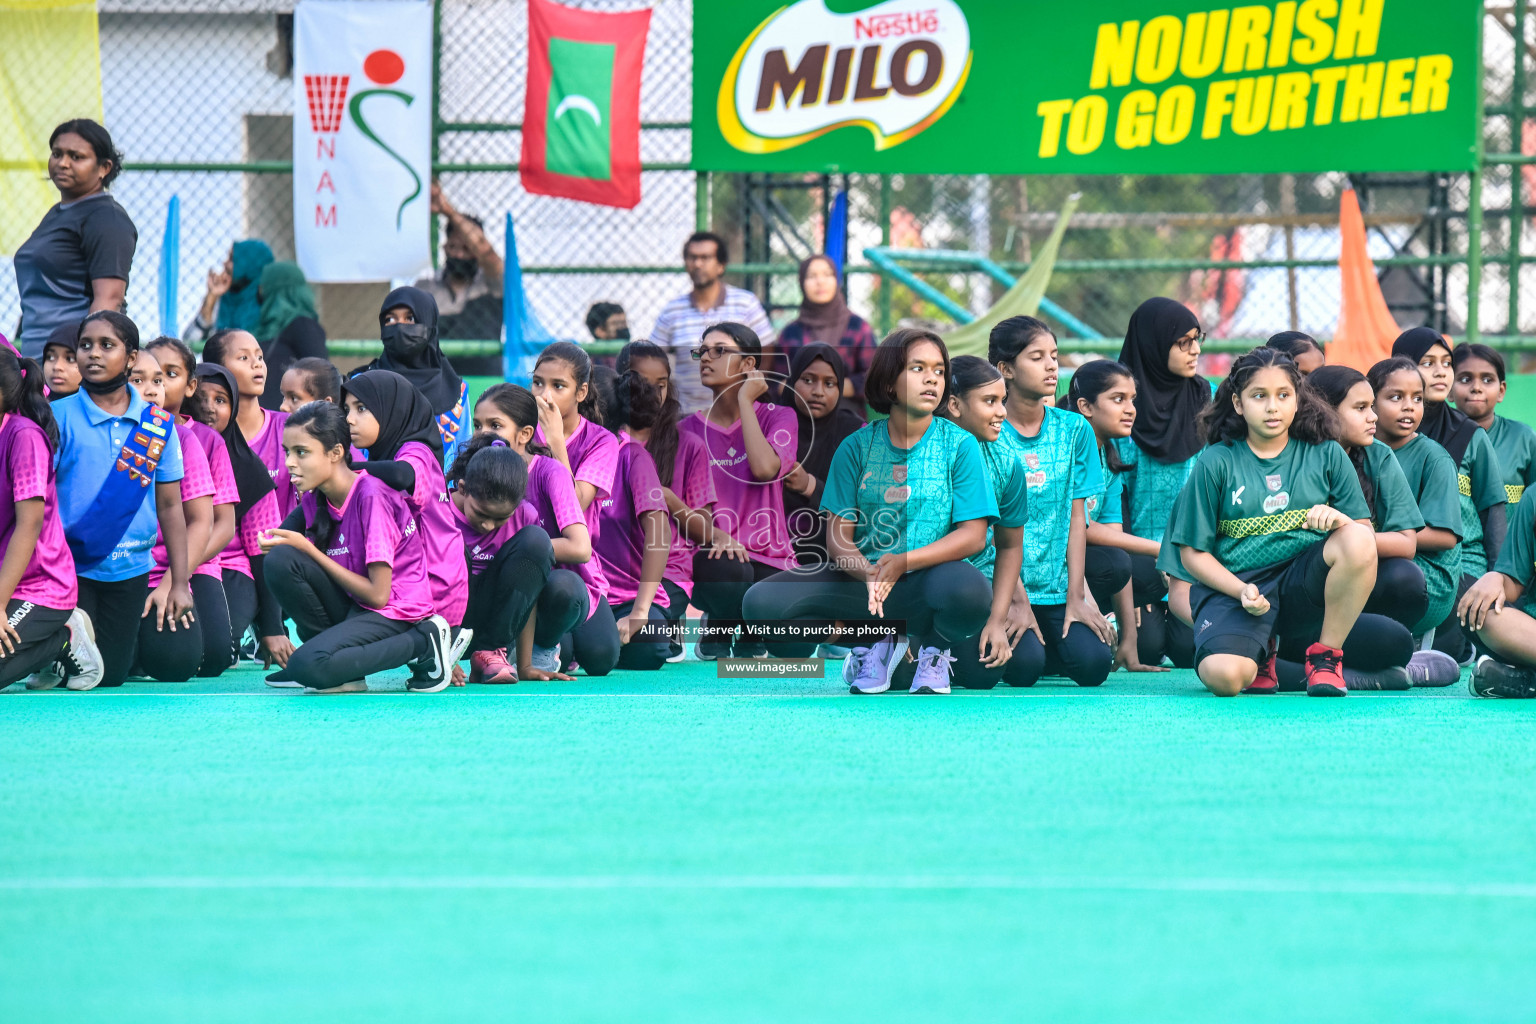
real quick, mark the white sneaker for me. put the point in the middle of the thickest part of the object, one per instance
(933, 669)
(354, 686)
(285, 684)
(873, 667)
(546, 659)
(47, 677)
(460, 645)
(83, 659)
(437, 667)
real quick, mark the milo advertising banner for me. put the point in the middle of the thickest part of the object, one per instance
(1112, 86)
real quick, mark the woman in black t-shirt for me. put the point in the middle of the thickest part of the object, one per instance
(77, 260)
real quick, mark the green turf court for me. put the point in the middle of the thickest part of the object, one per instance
(673, 847)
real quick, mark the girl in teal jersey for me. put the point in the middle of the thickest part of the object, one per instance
(1478, 389)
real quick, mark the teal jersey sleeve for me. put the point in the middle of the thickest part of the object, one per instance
(840, 494)
(1439, 502)
(1012, 492)
(1484, 479)
(1517, 560)
(1087, 478)
(1396, 508)
(1515, 445)
(1108, 506)
(1344, 491)
(971, 493)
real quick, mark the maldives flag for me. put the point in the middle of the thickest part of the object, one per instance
(581, 127)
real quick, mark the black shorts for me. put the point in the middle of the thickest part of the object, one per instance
(1295, 591)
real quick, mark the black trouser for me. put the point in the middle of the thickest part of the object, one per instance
(211, 606)
(115, 609)
(1400, 592)
(1080, 656)
(1106, 571)
(720, 586)
(644, 654)
(941, 605)
(505, 591)
(1376, 642)
(341, 641)
(44, 635)
(1159, 633)
(1450, 638)
(240, 598)
(592, 641)
(171, 656)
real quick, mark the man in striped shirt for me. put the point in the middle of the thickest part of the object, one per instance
(681, 324)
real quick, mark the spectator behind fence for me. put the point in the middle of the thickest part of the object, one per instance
(826, 319)
(607, 322)
(680, 327)
(77, 260)
(288, 327)
(468, 287)
(231, 300)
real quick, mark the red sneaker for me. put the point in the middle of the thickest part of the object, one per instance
(491, 667)
(1325, 672)
(1266, 681)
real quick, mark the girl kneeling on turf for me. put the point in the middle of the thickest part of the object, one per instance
(354, 580)
(509, 554)
(1270, 482)
(1505, 633)
(908, 501)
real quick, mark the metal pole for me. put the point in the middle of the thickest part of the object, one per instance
(1475, 204)
(1516, 185)
(437, 99)
(886, 284)
(1288, 207)
(701, 201)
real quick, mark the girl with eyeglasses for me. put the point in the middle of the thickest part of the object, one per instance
(751, 446)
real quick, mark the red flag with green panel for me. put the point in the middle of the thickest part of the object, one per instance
(581, 125)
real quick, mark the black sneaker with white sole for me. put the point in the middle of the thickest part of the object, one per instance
(434, 671)
(1493, 678)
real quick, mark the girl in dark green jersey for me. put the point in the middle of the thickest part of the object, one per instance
(1499, 610)
(1269, 484)
(1480, 481)
(1104, 393)
(1477, 391)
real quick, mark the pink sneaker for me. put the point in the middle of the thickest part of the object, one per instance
(491, 667)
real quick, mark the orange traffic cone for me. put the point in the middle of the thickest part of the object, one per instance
(1366, 329)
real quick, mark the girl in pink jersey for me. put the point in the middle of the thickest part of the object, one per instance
(751, 446)
(636, 536)
(37, 574)
(349, 565)
(509, 554)
(682, 466)
(214, 404)
(573, 609)
(240, 353)
(175, 657)
(393, 421)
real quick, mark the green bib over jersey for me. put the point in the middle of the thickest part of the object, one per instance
(1515, 445)
(1480, 482)
(1251, 512)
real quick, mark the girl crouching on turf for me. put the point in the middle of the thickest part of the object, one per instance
(311, 379)
(1431, 477)
(1480, 480)
(1477, 392)
(636, 536)
(978, 403)
(177, 657)
(119, 471)
(908, 501)
(37, 574)
(215, 404)
(682, 466)
(1063, 473)
(509, 554)
(1104, 393)
(240, 353)
(355, 578)
(1247, 525)
(393, 421)
(1500, 611)
(569, 602)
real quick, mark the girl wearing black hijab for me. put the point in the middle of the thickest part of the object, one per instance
(408, 328)
(216, 403)
(1480, 479)
(817, 375)
(1162, 351)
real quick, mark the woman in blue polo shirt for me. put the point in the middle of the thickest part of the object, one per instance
(113, 446)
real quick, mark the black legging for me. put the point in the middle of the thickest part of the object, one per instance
(44, 635)
(1080, 656)
(1376, 642)
(200, 649)
(1400, 592)
(1159, 633)
(504, 592)
(240, 598)
(720, 586)
(646, 655)
(1450, 638)
(342, 641)
(591, 641)
(1106, 571)
(115, 608)
(941, 605)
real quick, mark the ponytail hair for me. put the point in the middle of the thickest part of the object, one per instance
(126, 330)
(580, 363)
(517, 404)
(326, 423)
(21, 391)
(1378, 374)
(967, 373)
(631, 401)
(1091, 380)
(214, 348)
(487, 469)
(1011, 336)
(664, 438)
(1333, 384)
(1315, 421)
(183, 353)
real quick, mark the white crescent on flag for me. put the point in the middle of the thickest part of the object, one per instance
(579, 103)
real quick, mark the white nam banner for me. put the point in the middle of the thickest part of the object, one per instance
(362, 131)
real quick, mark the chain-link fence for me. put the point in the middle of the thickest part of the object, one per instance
(199, 95)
